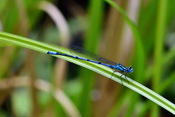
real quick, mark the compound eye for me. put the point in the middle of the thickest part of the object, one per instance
(130, 68)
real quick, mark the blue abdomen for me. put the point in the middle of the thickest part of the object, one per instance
(52, 52)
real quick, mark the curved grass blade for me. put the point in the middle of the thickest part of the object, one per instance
(105, 71)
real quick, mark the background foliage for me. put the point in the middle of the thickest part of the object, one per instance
(35, 84)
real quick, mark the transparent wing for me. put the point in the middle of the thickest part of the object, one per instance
(86, 54)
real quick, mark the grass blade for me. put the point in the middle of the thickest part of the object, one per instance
(105, 71)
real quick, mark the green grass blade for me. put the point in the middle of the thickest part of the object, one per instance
(139, 54)
(92, 34)
(105, 71)
(158, 49)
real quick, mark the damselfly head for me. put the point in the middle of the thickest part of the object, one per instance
(130, 69)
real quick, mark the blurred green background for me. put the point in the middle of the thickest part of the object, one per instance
(38, 85)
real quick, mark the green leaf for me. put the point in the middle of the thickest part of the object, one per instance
(105, 71)
(139, 53)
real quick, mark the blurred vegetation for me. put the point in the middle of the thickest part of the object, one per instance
(34, 84)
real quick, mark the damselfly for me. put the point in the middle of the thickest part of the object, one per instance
(96, 59)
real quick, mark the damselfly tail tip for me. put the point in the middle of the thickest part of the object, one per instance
(48, 52)
(52, 52)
